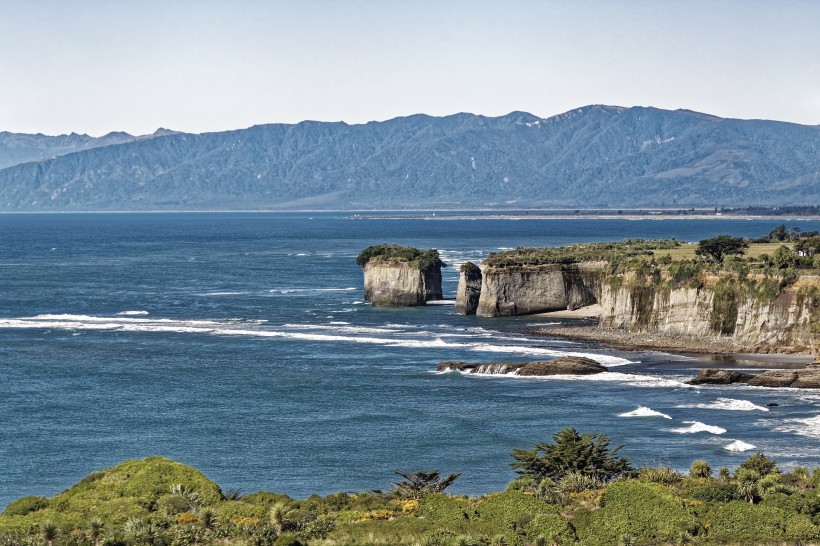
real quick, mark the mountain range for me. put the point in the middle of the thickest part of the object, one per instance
(594, 156)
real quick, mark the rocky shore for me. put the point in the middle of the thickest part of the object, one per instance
(807, 378)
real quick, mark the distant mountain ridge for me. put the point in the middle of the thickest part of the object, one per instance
(594, 156)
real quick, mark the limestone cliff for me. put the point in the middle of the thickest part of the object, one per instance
(522, 290)
(400, 276)
(469, 289)
(720, 306)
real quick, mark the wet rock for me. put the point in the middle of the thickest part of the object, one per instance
(774, 378)
(712, 376)
(570, 365)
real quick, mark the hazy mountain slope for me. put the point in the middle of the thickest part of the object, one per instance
(592, 156)
(16, 148)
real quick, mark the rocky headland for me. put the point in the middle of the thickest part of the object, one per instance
(400, 275)
(649, 300)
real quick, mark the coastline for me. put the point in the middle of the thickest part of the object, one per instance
(720, 348)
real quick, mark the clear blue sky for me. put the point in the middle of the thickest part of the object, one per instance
(135, 65)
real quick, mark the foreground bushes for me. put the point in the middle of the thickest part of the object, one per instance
(157, 502)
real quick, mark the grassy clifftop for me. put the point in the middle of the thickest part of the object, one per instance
(395, 254)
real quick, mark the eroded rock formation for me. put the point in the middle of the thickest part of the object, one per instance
(469, 289)
(806, 378)
(400, 276)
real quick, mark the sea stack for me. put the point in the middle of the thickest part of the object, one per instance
(400, 276)
(469, 289)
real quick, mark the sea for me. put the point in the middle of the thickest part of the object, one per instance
(240, 343)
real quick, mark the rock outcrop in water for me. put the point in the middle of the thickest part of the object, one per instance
(469, 289)
(523, 290)
(806, 378)
(568, 365)
(400, 276)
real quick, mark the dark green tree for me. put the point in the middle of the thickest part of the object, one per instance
(760, 464)
(587, 454)
(717, 248)
(420, 483)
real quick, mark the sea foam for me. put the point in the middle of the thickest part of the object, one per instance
(808, 427)
(643, 411)
(738, 446)
(697, 426)
(729, 404)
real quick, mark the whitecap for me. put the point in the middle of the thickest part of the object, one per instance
(808, 427)
(643, 411)
(738, 446)
(697, 426)
(132, 313)
(729, 404)
(441, 302)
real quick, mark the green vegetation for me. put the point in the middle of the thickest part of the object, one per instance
(718, 248)
(586, 252)
(423, 259)
(602, 501)
(588, 455)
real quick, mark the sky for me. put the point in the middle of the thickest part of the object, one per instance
(95, 66)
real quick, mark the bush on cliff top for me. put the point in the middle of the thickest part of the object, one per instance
(586, 252)
(424, 259)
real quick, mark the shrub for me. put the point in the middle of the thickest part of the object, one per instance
(587, 454)
(648, 512)
(760, 464)
(700, 469)
(23, 506)
(741, 522)
(661, 474)
(711, 491)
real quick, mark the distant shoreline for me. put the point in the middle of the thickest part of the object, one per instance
(466, 214)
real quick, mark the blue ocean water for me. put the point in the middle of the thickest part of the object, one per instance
(239, 343)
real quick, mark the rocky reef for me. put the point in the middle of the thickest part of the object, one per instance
(400, 276)
(469, 289)
(806, 378)
(568, 365)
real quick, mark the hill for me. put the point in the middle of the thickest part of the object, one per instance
(595, 156)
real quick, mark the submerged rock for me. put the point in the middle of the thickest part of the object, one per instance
(568, 365)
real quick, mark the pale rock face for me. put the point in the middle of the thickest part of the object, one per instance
(469, 291)
(785, 322)
(400, 284)
(526, 290)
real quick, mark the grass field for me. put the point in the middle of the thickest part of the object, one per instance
(687, 252)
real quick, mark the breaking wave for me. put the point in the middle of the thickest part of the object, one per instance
(729, 404)
(326, 332)
(808, 427)
(697, 426)
(643, 411)
(738, 446)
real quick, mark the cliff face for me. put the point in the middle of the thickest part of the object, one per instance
(469, 289)
(508, 291)
(400, 284)
(790, 320)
